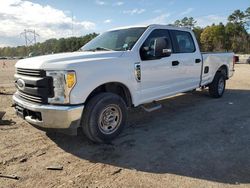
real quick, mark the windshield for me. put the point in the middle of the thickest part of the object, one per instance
(117, 40)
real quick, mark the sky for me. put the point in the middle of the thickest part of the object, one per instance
(64, 18)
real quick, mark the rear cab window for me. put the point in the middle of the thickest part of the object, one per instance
(182, 41)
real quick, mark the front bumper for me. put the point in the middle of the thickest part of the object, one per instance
(48, 116)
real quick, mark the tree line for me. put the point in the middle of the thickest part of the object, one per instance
(233, 36)
(48, 47)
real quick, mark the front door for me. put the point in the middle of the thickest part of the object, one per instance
(159, 76)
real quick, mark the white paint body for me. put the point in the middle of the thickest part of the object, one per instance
(159, 79)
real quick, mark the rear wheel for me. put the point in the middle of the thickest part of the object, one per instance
(104, 117)
(217, 87)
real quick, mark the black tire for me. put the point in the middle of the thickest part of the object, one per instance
(217, 87)
(96, 121)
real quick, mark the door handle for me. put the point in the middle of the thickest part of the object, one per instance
(175, 63)
(197, 60)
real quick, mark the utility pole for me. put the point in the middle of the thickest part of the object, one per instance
(30, 37)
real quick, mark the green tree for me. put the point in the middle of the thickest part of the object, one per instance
(49, 46)
(213, 38)
(185, 22)
(237, 37)
(240, 18)
(247, 17)
(197, 31)
(237, 17)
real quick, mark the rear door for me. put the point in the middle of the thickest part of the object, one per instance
(189, 58)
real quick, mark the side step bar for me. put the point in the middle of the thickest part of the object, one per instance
(151, 107)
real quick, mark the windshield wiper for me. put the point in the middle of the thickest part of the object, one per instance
(99, 49)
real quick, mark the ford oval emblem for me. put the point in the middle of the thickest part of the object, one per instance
(20, 84)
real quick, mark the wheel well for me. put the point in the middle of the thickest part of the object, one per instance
(224, 70)
(113, 87)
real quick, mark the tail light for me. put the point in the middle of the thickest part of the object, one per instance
(235, 60)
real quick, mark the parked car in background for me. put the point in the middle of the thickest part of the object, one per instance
(248, 60)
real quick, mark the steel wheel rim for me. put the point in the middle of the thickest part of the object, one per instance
(110, 119)
(221, 86)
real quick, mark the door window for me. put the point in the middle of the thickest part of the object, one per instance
(182, 42)
(147, 50)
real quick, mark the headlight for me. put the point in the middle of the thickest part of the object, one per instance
(63, 82)
(70, 79)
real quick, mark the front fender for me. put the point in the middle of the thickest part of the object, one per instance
(89, 79)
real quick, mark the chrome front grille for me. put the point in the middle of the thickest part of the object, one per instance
(31, 72)
(30, 97)
(33, 85)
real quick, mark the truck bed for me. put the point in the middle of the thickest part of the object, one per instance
(212, 62)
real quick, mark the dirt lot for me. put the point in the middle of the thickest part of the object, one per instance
(193, 141)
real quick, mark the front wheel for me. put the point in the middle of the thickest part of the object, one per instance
(104, 117)
(217, 87)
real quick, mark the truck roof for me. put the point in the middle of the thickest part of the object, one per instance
(153, 26)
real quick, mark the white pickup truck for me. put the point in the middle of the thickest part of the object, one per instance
(119, 69)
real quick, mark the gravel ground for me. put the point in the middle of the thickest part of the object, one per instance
(193, 141)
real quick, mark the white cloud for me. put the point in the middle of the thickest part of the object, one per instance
(119, 3)
(17, 15)
(99, 2)
(107, 21)
(134, 11)
(162, 19)
(187, 11)
(210, 19)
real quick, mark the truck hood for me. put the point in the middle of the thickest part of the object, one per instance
(63, 61)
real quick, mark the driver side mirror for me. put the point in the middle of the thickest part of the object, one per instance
(161, 48)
